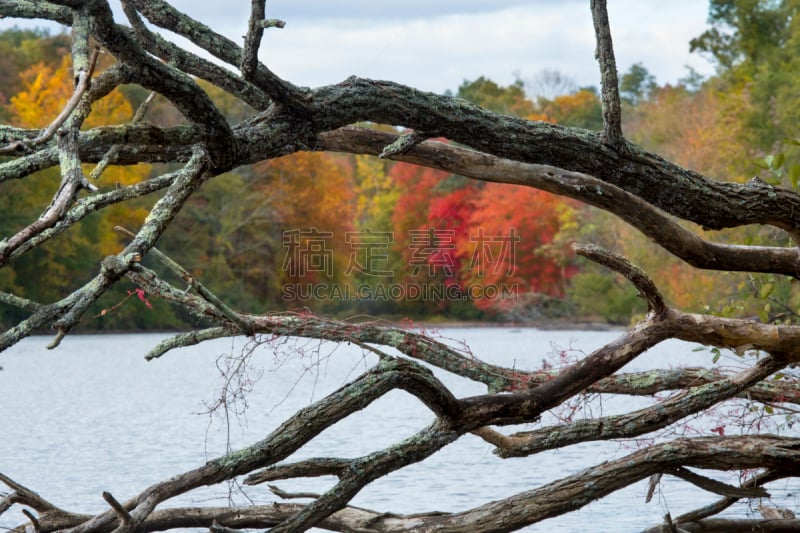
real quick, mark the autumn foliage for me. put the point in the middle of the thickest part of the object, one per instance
(361, 223)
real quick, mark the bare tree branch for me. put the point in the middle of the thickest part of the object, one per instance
(639, 279)
(64, 314)
(252, 40)
(192, 64)
(98, 170)
(72, 180)
(717, 487)
(612, 110)
(83, 66)
(634, 423)
(184, 274)
(118, 508)
(164, 15)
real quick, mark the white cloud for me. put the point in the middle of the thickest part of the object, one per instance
(439, 52)
(434, 53)
(367, 9)
(436, 45)
(659, 36)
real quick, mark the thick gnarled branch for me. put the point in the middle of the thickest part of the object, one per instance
(632, 424)
(306, 424)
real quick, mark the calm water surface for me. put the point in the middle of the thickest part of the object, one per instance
(94, 416)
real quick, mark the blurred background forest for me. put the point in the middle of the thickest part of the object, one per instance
(355, 235)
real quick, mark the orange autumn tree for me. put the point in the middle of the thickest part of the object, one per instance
(305, 197)
(704, 130)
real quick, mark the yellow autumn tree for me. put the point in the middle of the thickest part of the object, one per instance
(580, 109)
(45, 90)
(706, 131)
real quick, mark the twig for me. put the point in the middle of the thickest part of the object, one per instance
(216, 528)
(717, 487)
(186, 339)
(25, 495)
(72, 180)
(652, 484)
(308, 468)
(670, 525)
(402, 144)
(84, 81)
(291, 495)
(22, 303)
(647, 288)
(272, 23)
(123, 514)
(493, 437)
(60, 334)
(255, 30)
(720, 505)
(112, 153)
(245, 326)
(33, 519)
(364, 346)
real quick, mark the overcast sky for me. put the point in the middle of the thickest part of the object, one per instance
(437, 44)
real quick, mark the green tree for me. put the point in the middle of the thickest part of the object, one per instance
(746, 32)
(756, 44)
(581, 109)
(510, 100)
(637, 84)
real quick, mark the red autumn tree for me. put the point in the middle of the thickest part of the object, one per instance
(511, 240)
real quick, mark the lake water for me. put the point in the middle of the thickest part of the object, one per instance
(94, 416)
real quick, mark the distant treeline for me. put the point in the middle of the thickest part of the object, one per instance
(355, 235)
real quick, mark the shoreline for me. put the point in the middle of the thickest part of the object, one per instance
(425, 325)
